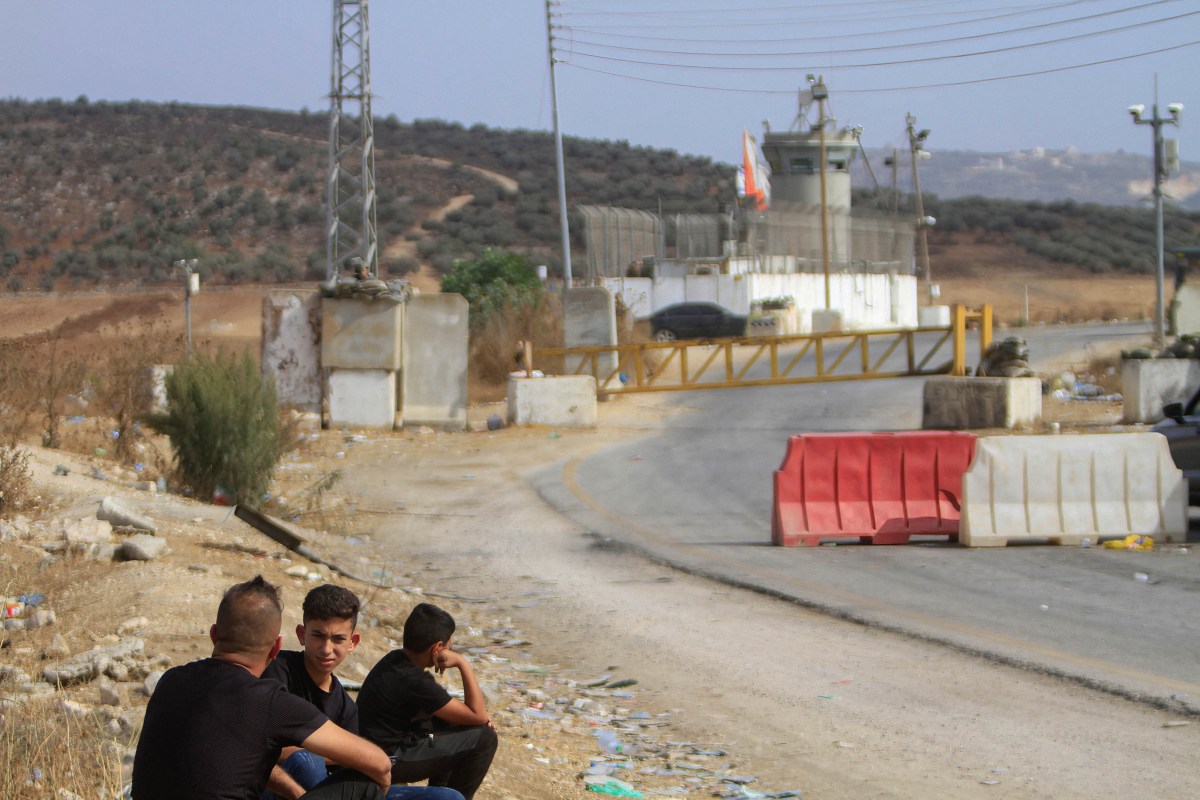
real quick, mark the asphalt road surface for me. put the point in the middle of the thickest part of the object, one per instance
(698, 495)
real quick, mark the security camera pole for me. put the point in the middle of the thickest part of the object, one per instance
(1160, 174)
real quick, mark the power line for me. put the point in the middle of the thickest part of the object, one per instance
(898, 62)
(835, 36)
(943, 85)
(901, 46)
(807, 20)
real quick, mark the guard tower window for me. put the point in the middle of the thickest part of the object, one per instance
(802, 166)
(838, 165)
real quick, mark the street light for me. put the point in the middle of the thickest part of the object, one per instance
(1160, 174)
(917, 152)
(191, 286)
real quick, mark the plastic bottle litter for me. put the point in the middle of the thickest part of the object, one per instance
(609, 742)
(612, 786)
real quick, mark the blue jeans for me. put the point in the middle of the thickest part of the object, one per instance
(308, 770)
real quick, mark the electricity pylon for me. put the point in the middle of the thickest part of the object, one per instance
(350, 203)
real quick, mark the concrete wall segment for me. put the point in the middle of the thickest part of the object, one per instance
(361, 334)
(291, 347)
(434, 374)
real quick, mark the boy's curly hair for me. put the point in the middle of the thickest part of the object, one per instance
(332, 602)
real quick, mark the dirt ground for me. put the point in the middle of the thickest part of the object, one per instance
(729, 685)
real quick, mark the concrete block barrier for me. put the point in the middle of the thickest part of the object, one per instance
(970, 403)
(1064, 489)
(1148, 384)
(567, 401)
(882, 488)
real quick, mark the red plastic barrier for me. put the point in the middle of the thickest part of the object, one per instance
(881, 487)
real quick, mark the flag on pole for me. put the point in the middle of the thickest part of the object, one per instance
(754, 176)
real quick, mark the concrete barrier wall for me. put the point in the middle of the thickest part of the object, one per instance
(361, 334)
(362, 398)
(589, 319)
(291, 347)
(1147, 384)
(973, 403)
(434, 378)
(1068, 488)
(563, 402)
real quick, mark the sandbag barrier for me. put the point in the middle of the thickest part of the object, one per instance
(882, 488)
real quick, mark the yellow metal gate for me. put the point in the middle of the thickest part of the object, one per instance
(687, 365)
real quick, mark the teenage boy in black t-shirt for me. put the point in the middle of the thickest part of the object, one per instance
(404, 710)
(328, 635)
(213, 730)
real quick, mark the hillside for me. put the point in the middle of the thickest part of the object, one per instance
(115, 192)
(1047, 176)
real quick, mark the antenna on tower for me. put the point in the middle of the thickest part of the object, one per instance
(353, 242)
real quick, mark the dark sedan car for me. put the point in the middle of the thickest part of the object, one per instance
(1182, 429)
(696, 321)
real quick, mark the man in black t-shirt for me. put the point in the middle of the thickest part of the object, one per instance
(213, 730)
(404, 710)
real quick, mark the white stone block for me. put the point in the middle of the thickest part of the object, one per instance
(1147, 384)
(970, 403)
(362, 398)
(933, 316)
(565, 402)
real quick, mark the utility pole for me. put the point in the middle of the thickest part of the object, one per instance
(558, 157)
(915, 141)
(351, 236)
(191, 285)
(1160, 174)
(820, 93)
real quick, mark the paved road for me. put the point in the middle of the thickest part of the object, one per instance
(699, 495)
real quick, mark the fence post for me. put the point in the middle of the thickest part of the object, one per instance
(985, 329)
(958, 326)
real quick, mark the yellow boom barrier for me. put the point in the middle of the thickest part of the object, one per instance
(772, 360)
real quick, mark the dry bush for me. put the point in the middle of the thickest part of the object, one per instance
(124, 391)
(494, 342)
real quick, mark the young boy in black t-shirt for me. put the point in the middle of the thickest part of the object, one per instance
(328, 634)
(405, 711)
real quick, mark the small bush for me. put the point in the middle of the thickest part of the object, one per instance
(224, 425)
(15, 479)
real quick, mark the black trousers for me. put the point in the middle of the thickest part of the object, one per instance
(455, 757)
(345, 784)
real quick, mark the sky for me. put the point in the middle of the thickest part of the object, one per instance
(736, 64)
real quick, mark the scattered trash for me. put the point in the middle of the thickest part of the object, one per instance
(1176, 723)
(1141, 577)
(1085, 543)
(1044, 607)
(100, 452)
(613, 786)
(495, 422)
(990, 782)
(1131, 542)
(61, 470)
(557, 435)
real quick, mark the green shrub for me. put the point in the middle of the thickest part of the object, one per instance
(224, 425)
(493, 281)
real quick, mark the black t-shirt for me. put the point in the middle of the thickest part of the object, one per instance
(288, 669)
(213, 731)
(397, 702)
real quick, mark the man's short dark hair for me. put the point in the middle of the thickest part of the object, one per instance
(332, 602)
(248, 617)
(426, 626)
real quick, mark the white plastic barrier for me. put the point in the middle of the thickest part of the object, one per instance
(1064, 489)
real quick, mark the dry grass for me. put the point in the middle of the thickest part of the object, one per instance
(494, 343)
(64, 741)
